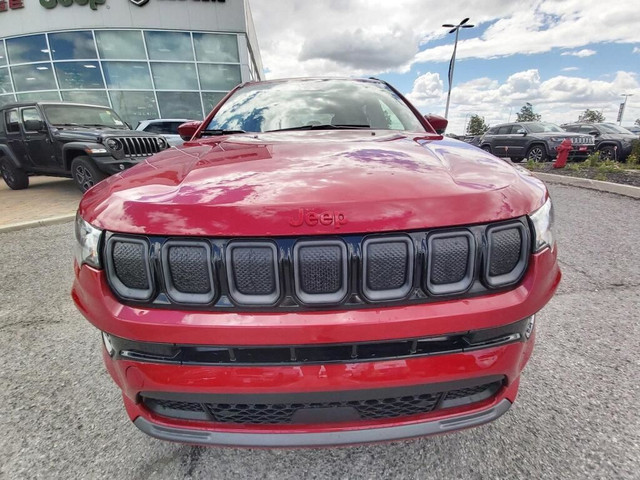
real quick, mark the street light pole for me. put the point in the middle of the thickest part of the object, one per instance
(624, 105)
(452, 64)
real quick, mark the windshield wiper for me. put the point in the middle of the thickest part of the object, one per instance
(322, 127)
(219, 131)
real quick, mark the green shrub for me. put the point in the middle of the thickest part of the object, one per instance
(635, 149)
(593, 160)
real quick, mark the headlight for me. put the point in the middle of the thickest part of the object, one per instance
(162, 143)
(114, 144)
(87, 243)
(557, 139)
(542, 220)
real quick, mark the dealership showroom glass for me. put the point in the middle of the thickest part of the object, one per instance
(153, 59)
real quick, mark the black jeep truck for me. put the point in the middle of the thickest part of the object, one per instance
(84, 142)
(613, 142)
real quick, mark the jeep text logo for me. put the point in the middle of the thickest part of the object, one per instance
(312, 219)
(93, 4)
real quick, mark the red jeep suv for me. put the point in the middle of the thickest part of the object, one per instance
(316, 266)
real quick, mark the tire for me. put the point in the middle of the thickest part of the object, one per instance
(14, 177)
(85, 173)
(537, 153)
(516, 159)
(607, 153)
(486, 148)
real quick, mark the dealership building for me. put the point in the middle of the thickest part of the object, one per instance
(144, 58)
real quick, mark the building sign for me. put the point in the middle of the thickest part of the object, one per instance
(10, 4)
(93, 4)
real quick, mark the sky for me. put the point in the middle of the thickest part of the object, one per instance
(562, 56)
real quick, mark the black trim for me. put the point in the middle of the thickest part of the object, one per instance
(120, 288)
(172, 292)
(324, 298)
(390, 294)
(519, 270)
(319, 397)
(466, 282)
(244, 299)
(288, 299)
(311, 354)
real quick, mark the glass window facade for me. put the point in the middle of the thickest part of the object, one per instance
(142, 74)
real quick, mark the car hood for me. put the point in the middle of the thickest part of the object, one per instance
(312, 183)
(95, 134)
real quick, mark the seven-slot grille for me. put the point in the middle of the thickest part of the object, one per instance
(586, 140)
(349, 271)
(139, 146)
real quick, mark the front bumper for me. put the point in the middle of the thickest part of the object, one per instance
(136, 379)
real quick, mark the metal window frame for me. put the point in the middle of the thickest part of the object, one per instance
(320, 298)
(389, 294)
(171, 290)
(240, 298)
(467, 281)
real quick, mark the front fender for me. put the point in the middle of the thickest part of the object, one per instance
(6, 152)
(70, 150)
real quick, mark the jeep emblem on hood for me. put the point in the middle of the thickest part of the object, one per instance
(303, 216)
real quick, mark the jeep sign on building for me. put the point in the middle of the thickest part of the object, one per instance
(144, 58)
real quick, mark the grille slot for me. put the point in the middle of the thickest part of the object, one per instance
(128, 267)
(367, 405)
(252, 272)
(451, 261)
(188, 274)
(507, 254)
(138, 146)
(320, 270)
(387, 267)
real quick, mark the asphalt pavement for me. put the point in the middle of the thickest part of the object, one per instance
(577, 415)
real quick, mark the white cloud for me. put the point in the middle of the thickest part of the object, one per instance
(570, 69)
(636, 50)
(558, 99)
(585, 52)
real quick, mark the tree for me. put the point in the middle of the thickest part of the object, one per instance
(591, 116)
(526, 114)
(638, 121)
(476, 126)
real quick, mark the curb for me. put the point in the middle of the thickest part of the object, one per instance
(609, 187)
(37, 223)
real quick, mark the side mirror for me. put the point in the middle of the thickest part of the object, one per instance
(438, 123)
(34, 126)
(188, 129)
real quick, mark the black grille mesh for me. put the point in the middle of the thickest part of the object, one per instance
(285, 413)
(189, 269)
(505, 251)
(320, 269)
(129, 264)
(253, 270)
(387, 265)
(449, 258)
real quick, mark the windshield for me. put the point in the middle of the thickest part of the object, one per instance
(610, 128)
(544, 127)
(308, 104)
(81, 115)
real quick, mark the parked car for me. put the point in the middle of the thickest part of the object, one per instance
(317, 266)
(167, 127)
(535, 141)
(84, 142)
(613, 142)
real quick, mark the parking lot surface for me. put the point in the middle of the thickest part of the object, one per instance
(46, 198)
(577, 416)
